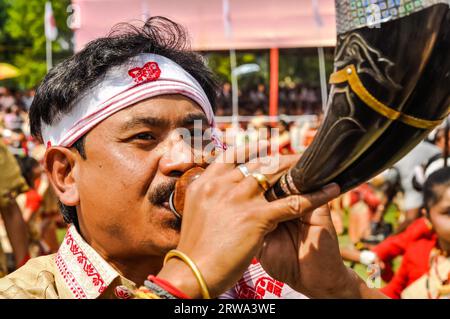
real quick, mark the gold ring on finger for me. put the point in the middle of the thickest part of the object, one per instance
(262, 180)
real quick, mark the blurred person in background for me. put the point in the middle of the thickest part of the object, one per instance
(425, 268)
(13, 121)
(439, 137)
(16, 142)
(436, 161)
(423, 171)
(13, 118)
(404, 172)
(11, 184)
(36, 208)
(259, 98)
(27, 99)
(6, 98)
(396, 245)
(283, 138)
(393, 246)
(311, 131)
(362, 203)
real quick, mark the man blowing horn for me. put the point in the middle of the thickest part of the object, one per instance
(109, 116)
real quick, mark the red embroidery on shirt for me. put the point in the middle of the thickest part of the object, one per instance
(262, 285)
(88, 268)
(122, 293)
(149, 72)
(73, 285)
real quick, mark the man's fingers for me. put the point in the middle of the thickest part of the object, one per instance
(273, 167)
(228, 159)
(296, 206)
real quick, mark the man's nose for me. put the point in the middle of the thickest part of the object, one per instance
(177, 158)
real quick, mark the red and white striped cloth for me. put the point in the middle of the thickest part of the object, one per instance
(257, 284)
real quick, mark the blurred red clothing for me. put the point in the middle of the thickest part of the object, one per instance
(284, 144)
(415, 264)
(309, 136)
(33, 200)
(396, 245)
(365, 193)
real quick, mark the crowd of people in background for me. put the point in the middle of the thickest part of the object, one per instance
(416, 189)
(35, 199)
(300, 99)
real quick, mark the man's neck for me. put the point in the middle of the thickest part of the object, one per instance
(137, 269)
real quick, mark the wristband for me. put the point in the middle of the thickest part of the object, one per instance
(367, 257)
(167, 286)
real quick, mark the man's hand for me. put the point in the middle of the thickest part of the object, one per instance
(226, 219)
(310, 261)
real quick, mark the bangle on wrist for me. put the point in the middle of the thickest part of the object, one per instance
(167, 286)
(174, 253)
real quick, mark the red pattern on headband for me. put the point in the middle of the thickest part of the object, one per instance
(149, 72)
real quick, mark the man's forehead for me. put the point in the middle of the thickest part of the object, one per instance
(161, 111)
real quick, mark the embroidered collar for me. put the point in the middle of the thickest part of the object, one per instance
(83, 270)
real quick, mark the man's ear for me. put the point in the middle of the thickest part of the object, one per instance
(59, 163)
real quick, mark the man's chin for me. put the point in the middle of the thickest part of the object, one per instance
(168, 218)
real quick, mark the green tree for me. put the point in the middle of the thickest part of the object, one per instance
(301, 65)
(22, 37)
(219, 62)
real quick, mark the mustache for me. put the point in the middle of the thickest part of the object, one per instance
(162, 193)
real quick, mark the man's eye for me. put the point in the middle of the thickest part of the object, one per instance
(144, 136)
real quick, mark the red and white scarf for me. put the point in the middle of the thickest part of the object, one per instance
(141, 77)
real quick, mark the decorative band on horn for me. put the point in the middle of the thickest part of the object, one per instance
(349, 74)
(421, 123)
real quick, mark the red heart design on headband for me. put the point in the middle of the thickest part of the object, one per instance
(149, 72)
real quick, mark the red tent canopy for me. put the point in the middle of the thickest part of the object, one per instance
(254, 23)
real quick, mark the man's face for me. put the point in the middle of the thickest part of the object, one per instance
(440, 217)
(133, 160)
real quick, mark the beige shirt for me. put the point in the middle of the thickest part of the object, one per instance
(75, 271)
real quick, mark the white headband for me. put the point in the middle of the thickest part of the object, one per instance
(142, 77)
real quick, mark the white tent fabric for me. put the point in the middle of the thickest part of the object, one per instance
(255, 24)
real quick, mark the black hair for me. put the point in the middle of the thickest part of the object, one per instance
(435, 186)
(26, 165)
(70, 79)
